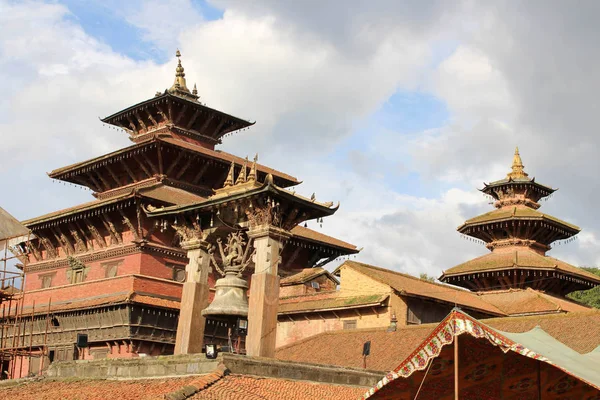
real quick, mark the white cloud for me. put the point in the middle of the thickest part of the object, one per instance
(308, 75)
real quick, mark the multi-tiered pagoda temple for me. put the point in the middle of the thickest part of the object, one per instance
(518, 236)
(107, 270)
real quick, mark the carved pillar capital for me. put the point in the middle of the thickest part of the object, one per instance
(268, 230)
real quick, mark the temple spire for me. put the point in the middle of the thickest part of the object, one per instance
(252, 175)
(517, 167)
(229, 180)
(179, 85)
(242, 176)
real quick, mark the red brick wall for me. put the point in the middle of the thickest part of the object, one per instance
(129, 264)
(119, 284)
(159, 266)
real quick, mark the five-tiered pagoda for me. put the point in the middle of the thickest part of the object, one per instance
(518, 236)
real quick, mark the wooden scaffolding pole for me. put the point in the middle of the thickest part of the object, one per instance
(44, 347)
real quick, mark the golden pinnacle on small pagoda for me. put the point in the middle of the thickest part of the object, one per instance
(517, 167)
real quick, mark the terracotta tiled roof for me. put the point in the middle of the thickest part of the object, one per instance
(344, 348)
(579, 330)
(314, 236)
(526, 180)
(411, 286)
(529, 301)
(10, 227)
(215, 154)
(516, 212)
(327, 301)
(87, 389)
(254, 388)
(158, 192)
(78, 208)
(104, 300)
(171, 195)
(524, 258)
(222, 155)
(307, 274)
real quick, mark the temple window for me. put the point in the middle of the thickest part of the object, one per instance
(46, 280)
(77, 271)
(111, 268)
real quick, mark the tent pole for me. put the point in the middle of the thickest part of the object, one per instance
(455, 365)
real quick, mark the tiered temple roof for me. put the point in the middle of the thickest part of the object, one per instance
(518, 237)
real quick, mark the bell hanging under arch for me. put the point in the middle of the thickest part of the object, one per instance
(230, 299)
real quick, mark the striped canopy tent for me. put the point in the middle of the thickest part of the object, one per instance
(485, 363)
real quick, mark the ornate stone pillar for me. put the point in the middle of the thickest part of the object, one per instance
(264, 290)
(194, 299)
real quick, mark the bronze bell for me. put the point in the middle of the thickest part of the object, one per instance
(231, 297)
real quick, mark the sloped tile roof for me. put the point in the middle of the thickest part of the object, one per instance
(104, 300)
(516, 212)
(309, 234)
(158, 192)
(306, 275)
(216, 385)
(578, 330)
(518, 258)
(412, 286)
(344, 348)
(529, 301)
(327, 301)
(242, 387)
(87, 389)
(10, 227)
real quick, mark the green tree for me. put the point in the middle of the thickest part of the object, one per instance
(588, 297)
(426, 277)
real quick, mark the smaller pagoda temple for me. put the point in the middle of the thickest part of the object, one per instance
(518, 236)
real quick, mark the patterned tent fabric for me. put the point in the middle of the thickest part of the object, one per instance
(549, 350)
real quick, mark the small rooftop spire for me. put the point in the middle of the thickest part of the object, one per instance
(242, 175)
(179, 83)
(252, 175)
(517, 167)
(194, 90)
(229, 180)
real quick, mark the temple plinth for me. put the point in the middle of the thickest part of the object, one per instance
(518, 236)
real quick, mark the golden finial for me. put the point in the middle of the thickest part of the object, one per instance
(229, 180)
(252, 175)
(194, 90)
(242, 176)
(179, 83)
(517, 167)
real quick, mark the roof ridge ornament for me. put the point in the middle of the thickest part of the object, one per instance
(229, 181)
(252, 174)
(242, 175)
(517, 167)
